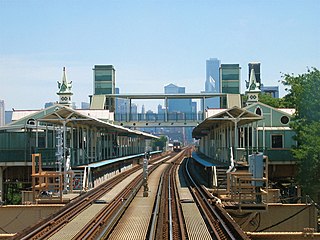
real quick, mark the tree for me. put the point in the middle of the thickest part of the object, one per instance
(304, 95)
(159, 143)
(271, 101)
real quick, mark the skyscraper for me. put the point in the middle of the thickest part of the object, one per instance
(256, 67)
(177, 105)
(212, 84)
(2, 113)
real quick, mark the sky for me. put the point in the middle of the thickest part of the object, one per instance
(150, 43)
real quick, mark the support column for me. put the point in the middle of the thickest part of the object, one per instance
(78, 146)
(37, 135)
(166, 109)
(203, 108)
(1, 184)
(92, 145)
(46, 140)
(87, 145)
(235, 139)
(64, 145)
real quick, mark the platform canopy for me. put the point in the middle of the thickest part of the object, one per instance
(237, 116)
(62, 115)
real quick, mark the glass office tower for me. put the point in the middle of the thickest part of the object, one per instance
(212, 75)
(212, 84)
(104, 79)
(230, 78)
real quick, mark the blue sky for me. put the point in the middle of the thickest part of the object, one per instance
(150, 43)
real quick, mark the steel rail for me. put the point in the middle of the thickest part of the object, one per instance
(167, 220)
(155, 213)
(222, 226)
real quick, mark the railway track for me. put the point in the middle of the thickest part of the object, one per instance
(167, 218)
(103, 223)
(219, 223)
(51, 225)
(167, 221)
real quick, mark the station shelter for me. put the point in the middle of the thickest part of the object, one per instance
(231, 136)
(67, 139)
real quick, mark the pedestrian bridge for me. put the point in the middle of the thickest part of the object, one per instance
(129, 119)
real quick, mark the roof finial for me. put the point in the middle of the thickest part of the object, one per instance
(253, 89)
(65, 92)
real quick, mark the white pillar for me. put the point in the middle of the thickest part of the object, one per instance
(37, 135)
(1, 184)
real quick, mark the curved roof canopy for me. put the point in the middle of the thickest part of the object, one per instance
(61, 114)
(234, 115)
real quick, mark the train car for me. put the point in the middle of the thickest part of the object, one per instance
(177, 146)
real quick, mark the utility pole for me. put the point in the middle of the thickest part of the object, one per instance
(145, 174)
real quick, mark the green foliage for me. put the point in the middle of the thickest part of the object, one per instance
(308, 157)
(159, 143)
(304, 95)
(271, 101)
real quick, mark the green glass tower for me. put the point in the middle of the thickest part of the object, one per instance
(230, 78)
(104, 79)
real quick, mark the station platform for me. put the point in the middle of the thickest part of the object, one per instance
(135, 221)
(195, 224)
(71, 229)
(116, 160)
(205, 161)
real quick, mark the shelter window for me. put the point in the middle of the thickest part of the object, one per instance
(259, 111)
(284, 120)
(277, 141)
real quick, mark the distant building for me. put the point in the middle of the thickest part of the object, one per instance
(134, 111)
(85, 105)
(8, 117)
(161, 109)
(212, 84)
(177, 105)
(230, 78)
(143, 110)
(2, 113)
(272, 90)
(212, 75)
(48, 104)
(256, 67)
(121, 104)
(179, 109)
(194, 108)
(104, 80)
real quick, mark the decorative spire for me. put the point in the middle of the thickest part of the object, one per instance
(253, 84)
(65, 92)
(253, 89)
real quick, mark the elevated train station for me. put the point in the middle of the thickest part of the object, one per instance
(240, 151)
(67, 140)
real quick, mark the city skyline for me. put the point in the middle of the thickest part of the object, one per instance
(150, 44)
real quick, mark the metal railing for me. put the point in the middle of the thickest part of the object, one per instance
(158, 117)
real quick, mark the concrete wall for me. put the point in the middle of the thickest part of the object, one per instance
(307, 218)
(16, 218)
